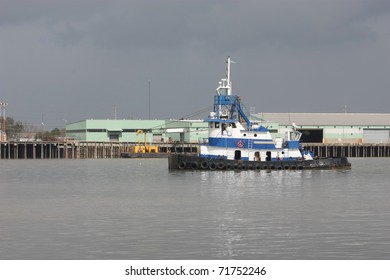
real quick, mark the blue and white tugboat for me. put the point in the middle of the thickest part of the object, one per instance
(235, 142)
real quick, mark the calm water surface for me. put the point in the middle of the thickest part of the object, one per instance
(136, 209)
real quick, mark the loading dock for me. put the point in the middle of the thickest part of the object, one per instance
(312, 135)
(376, 135)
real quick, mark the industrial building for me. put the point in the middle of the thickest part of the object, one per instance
(333, 127)
(149, 131)
(315, 127)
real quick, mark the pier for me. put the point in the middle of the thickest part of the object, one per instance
(349, 150)
(96, 150)
(79, 150)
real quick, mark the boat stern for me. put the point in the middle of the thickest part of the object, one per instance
(173, 162)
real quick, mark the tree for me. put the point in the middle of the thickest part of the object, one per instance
(56, 132)
(52, 135)
(12, 128)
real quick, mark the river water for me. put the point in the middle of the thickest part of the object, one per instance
(137, 209)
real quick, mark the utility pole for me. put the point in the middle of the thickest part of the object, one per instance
(2, 111)
(149, 100)
(43, 124)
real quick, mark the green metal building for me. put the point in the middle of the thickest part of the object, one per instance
(315, 128)
(149, 131)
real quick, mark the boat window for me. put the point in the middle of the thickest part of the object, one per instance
(211, 125)
(268, 156)
(216, 125)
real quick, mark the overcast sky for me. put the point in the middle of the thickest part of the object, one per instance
(79, 59)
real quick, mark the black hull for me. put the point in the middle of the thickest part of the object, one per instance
(190, 162)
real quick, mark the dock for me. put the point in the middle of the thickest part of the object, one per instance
(101, 150)
(80, 150)
(358, 150)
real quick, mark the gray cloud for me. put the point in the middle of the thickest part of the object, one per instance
(77, 59)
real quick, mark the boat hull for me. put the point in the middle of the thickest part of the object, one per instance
(191, 162)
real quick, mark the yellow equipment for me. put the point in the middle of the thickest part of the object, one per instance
(143, 148)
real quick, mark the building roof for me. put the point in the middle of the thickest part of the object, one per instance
(309, 119)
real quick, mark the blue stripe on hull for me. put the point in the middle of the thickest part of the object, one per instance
(244, 158)
(240, 143)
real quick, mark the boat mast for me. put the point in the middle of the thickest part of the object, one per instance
(229, 82)
(227, 106)
(225, 85)
(224, 89)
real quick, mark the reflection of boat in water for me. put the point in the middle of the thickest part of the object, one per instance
(237, 142)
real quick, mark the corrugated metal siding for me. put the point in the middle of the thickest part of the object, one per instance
(322, 119)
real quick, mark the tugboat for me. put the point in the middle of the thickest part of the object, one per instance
(236, 142)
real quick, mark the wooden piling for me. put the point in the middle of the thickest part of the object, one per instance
(99, 150)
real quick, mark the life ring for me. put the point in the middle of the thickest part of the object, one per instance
(240, 143)
(300, 167)
(286, 167)
(195, 165)
(204, 165)
(220, 165)
(257, 166)
(228, 166)
(213, 166)
(182, 165)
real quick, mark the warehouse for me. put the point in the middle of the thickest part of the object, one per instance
(150, 131)
(334, 127)
(351, 128)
